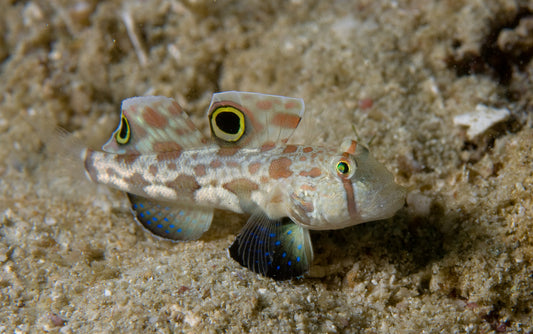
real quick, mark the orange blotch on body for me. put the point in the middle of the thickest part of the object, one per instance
(215, 164)
(185, 185)
(280, 168)
(227, 151)
(314, 172)
(253, 168)
(153, 170)
(166, 156)
(241, 187)
(307, 187)
(267, 146)
(199, 170)
(126, 158)
(290, 149)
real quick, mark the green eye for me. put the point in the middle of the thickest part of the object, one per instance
(345, 167)
(227, 123)
(123, 132)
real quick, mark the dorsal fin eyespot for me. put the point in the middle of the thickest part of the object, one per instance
(227, 123)
(266, 118)
(124, 131)
(149, 123)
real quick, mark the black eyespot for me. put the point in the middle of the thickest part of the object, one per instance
(124, 132)
(227, 123)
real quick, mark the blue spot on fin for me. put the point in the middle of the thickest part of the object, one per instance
(170, 225)
(265, 247)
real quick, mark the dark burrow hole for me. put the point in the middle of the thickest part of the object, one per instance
(492, 60)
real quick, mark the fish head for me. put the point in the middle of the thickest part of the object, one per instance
(354, 188)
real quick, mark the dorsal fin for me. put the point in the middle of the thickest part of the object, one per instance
(153, 124)
(243, 119)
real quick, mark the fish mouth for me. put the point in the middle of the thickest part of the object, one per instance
(377, 196)
(382, 204)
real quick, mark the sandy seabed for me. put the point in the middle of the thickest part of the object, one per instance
(456, 259)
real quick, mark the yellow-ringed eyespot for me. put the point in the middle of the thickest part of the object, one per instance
(124, 132)
(345, 167)
(227, 123)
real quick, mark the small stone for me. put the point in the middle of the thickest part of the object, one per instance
(419, 205)
(50, 221)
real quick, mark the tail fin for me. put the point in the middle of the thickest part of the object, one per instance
(63, 160)
(68, 151)
(60, 158)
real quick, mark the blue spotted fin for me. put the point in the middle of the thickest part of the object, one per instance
(153, 124)
(253, 120)
(170, 220)
(279, 249)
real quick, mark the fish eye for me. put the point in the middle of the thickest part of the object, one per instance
(345, 167)
(227, 123)
(124, 131)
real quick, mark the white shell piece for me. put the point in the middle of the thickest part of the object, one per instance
(481, 119)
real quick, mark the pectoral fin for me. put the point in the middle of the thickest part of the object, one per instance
(279, 249)
(170, 220)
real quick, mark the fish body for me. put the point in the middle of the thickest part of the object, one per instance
(175, 177)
